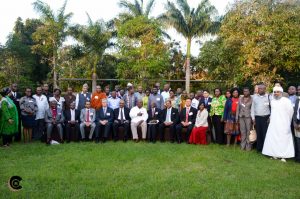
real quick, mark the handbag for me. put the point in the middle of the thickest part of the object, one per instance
(252, 135)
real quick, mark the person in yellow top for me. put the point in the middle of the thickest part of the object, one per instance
(145, 99)
(96, 98)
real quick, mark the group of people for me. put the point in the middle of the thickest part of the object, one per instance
(218, 118)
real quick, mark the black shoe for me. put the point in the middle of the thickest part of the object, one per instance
(124, 140)
(172, 141)
(97, 140)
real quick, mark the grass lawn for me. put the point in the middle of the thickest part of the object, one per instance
(144, 170)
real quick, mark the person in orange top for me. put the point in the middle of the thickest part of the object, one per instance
(96, 98)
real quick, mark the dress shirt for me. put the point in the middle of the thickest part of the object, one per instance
(120, 111)
(260, 106)
(195, 103)
(135, 118)
(42, 104)
(114, 103)
(169, 112)
(60, 102)
(165, 95)
(72, 114)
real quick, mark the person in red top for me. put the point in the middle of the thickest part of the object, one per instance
(96, 98)
(231, 126)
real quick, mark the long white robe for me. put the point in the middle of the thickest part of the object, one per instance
(279, 141)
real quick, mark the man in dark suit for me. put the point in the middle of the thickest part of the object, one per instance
(296, 120)
(72, 119)
(16, 96)
(207, 103)
(187, 120)
(121, 119)
(153, 122)
(104, 120)
(169, 118)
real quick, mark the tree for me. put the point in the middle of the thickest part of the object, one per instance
(190, 23)
(142, 53)
(95, 39)
(136, 9)
(51, 35)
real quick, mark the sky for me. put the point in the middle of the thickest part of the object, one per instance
(10, 10)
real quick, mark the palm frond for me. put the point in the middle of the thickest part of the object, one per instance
(149, 7)
(44, 10)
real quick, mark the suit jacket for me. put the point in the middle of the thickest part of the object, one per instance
(126, 113)
(174, 115)
(83, 115)
(59, 117)
(192, 115)
(208, 105)
(157, 114)
(16, 100)
(67, 114)
(296, 112)
(109, 116)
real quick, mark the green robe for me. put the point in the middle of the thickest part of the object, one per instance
(8, 110)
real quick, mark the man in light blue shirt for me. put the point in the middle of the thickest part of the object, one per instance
(113, 100)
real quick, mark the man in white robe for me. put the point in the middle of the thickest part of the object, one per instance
(279, 141)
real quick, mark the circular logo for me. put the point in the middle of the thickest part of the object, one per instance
(14, 183)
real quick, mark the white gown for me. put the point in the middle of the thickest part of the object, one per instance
(279, 140)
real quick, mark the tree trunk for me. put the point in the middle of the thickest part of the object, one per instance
(187, 65)
(54, 72)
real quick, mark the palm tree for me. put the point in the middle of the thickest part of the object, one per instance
(191, 23)
(95, 38)
(137, 8)
(51, 35)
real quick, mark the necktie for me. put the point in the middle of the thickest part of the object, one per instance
(205, 101)
(88, 116)
(122, 118)
(153, 112)
(187, 115)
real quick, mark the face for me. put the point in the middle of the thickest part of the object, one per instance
(246, 92)
(157, 85)
(84, 89)
(199, 94)
(188, 103)
(277, 94)
(45, 87)
(147, 92)
(153, 105)
(57, 93)
(117, 88)
(184, 93)
(192, 95)
(205, 94)
(114, 94)
(235, 94)
(38, 90)
(70, 91)
(98, 89)
(217, 92)
(122, 92)
(168, 104)
(201, 107)
(292, 90)
(179, 91)
(166, 87)
(171, 94)
(53, 104)
(131, 91)
(140, 89)
(122, 103)
(140, 104)
(87, 105)
(28, 92)
(106, 90)
(154, 90)
(104, 103)
(228, 94)
(14, 87)
(261, 89)
(72, 106)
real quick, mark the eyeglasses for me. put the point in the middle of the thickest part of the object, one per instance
(276, 91)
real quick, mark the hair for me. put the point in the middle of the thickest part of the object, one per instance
(205, 90)
(218, 89)
(4, 91)
(85, 85)
(188, 98)
(171, 91)
(235, 89)
(148, 89)
(57, 89)
(201, 103)
(104, 100)
(168, 101)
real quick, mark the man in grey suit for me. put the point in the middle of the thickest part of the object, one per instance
(54, 118)
(87, 118)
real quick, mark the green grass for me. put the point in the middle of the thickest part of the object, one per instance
(144, 170)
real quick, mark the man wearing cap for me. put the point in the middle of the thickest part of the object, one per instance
(279, 140)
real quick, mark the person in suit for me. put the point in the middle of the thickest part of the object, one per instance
(54, 118)
(187, 120)
(104, 120)
(153, 121)
(87, 118)
(296, 119)
(72, 119)
(168, 119)
(121, 118)
(15, 97)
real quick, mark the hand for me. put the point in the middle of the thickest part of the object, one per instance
(139, 114)
(87, 124)
(10, 121)
(222, 120)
